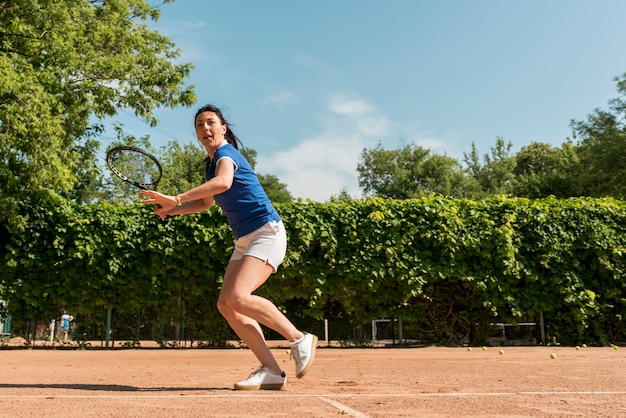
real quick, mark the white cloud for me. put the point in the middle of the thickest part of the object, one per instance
(281, 99)
(349, 107)
(312, 64)
(363, 116)
(193, 25)
(447, 143)
(436, 145)
(318, 167)
(325, 164)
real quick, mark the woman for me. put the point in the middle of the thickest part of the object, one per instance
(260, 245)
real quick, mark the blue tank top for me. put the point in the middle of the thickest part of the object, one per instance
(245, 205)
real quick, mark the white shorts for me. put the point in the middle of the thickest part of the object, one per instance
(268, 243)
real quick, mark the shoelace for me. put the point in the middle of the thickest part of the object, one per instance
(259, 370)
(294, 353)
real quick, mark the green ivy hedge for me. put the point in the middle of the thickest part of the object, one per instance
(447, 267)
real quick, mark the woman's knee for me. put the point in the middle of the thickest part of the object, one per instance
(224, 306)
(228, 304)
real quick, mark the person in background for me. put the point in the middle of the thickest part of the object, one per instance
(260, 247)
(65, 324)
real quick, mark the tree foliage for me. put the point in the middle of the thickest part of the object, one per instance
(183, 167)
(410, 171)
(595, 166)
(602, 149)
(496, 174)
(448, 266)
(542, 170)
(64, 62)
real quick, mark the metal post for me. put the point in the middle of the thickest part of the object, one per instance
(326, 332)
(52, 327)
(182, 340)
(542, 327)
(107, 333)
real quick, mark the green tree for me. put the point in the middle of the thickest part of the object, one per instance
(112, 189)
(183, 167)
(495, 174)
(90, 182)
(445, 176)
(64, 62)
(409, 172)
(602, 149)
(342, 196)
(275, 189)
(391, 173)
(543, 170)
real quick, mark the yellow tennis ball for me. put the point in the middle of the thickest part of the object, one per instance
(288, 351)
(552, 356)
(469, 348)
(501, 351)
(577, 347)
(484, 348)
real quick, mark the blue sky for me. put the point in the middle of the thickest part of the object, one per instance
(308, 85)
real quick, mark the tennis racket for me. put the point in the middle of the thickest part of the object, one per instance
(135, 166)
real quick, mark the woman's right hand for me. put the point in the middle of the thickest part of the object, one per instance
(163, 203)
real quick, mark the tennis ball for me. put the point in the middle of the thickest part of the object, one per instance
(288, 351)
(501, 351)
(484, 348)
(552, 356)
(577, 347)
(615, 347)
(584, 345)
(469, 348)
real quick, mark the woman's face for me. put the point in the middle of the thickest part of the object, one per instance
(210, 130)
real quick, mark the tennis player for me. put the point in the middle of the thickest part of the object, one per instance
(260, 246)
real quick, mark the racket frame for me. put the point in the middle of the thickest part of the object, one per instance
(142, 186)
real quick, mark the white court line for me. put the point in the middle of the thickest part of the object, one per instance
(344, 409)
(181, 394)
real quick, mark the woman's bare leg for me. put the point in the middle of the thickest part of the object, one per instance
(244, 311)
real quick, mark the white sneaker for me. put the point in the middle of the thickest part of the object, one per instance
(263, 378)
(303, 352)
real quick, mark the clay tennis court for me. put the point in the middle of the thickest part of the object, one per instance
(380, 382)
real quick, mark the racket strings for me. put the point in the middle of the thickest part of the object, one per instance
(136, 167)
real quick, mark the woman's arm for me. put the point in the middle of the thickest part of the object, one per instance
(223, 180)
(194, 206)
(193, 200)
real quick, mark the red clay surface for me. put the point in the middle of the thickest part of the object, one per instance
(381, 382)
